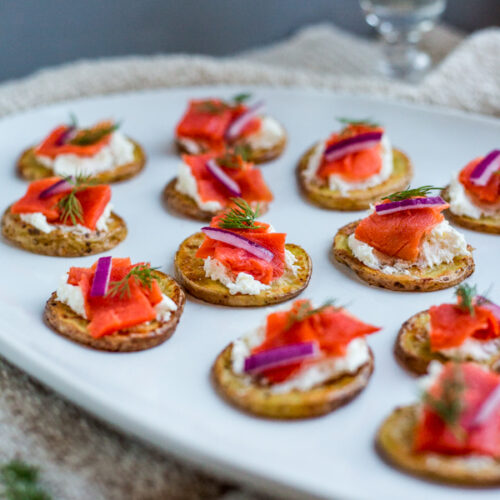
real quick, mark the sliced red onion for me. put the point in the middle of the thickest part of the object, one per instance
(280, 356)
(62, 186)
(66, 136)
(236, 127)
(352, 145)
(238, 241)
(483, 171)
(488, 408)
(409, 204)
(494, 308)
(101, 277)
(223, 178)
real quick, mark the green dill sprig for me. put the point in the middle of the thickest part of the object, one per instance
(466, 294)
(217, 108)
(69, 204)
(305, 310)
(142, 273)
(411, 193)
(449, 405)
(367, 122)
(20, 482)
(241, 217)
(231, 158)
(241, 98)
(89, 136)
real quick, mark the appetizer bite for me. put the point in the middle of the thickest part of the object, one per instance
(474, 195)
(214, 124)
(302, 362)
(64, 218)
(468, 330)
(101, 152)
(116, 305)
(206, 184)
(353, 168)
(453, 433)
(405, 244)
(239, 261)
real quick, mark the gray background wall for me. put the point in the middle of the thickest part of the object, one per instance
(37, 33)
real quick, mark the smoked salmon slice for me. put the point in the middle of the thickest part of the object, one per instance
(332, 328)
(399, 234)
(355, 166)
(238, 260)
(450, 325)
(249, 179)
(209, 119)
(489, 194)
(435, 435)
(93, 200)
(52, 146)
(31, 203)
(111, 313)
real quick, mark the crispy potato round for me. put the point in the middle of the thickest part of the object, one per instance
(59, 243)
(420, 280)
(261, 401)
(255, 155)
(394, 443)
(63, 320)
(413, 351)
(191, 275)
(357, 199)
(185, 205)
(484, 224)
(30, 169)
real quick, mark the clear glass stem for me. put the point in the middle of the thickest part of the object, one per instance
(403, 59)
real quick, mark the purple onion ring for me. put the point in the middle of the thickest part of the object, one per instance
(219, 174)
(352, 145)
(409, 204)
(238, 241)
(280, 356)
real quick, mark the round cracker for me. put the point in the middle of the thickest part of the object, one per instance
(413, 350)
(30, 169)
(191, 276)
(261, 401)
(420, 280)
(255, 155)
(394, 443)
(357, 199)
(60, 243)
(484, 224)
(185, 205)
(63, 320)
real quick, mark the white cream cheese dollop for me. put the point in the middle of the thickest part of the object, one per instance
(119, 151)
(337, 183)
(165, 308)
(311, 374)
(441, 245)
(270, 133)
(72, 296)
(473, 349)
(461, 204)
(39, 221)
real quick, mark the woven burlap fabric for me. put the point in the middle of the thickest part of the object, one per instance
(81, 458)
